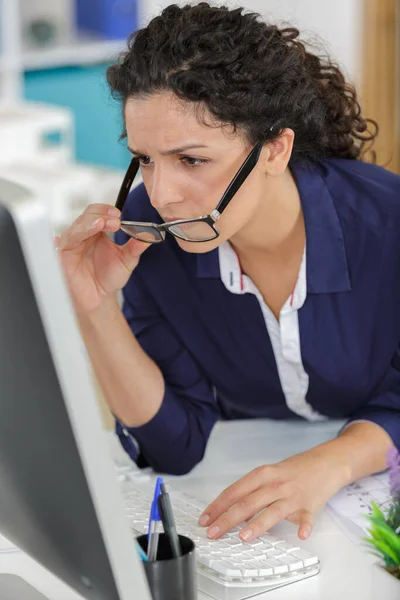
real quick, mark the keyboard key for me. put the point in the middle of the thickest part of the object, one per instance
(201, 534)
(278, 566)
(264, 569)
(248, 569)
(307, 558)
(206, 543)
(235, 554)
(227, 569)
(292, 562)
(209, 561)
(233, 543)
(256, 542)
(271, 539)
(247, 551)
(233, 532)
(286, 547)
(264, 548)
(215, 551)
(275, 553)
(259, 555)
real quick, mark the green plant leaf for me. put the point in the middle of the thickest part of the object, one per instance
(387, 552)
(376, 521)
(392, 539)
(386, 541)
(383, 538)
(376, 512)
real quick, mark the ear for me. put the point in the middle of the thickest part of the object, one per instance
(276, 155)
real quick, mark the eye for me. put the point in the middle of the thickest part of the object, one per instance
(193, 162)
(144, 160)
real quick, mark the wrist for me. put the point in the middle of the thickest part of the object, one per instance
(107, 311)
(335, 457)
(367, 445)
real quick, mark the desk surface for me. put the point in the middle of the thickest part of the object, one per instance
(234, 449)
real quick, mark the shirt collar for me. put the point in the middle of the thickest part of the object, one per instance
(327, 269)
(236, 282)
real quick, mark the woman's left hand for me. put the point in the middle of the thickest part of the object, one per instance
(294, 489)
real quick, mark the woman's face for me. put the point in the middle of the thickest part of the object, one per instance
(187, 166)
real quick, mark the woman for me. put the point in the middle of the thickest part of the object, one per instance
(281, 304)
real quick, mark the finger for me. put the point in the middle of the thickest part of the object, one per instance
(235, 492)
(272, 515)
(102, 210)
(306, 524)
(89, 219)
(74, 234)
(244, 509)
(80, 230)
(86, 226)
(56, 241)
(131, 252)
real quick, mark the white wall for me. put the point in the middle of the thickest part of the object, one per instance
(337, 22)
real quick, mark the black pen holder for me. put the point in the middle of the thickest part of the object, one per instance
(171, 578)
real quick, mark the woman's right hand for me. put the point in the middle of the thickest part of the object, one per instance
(95, 267)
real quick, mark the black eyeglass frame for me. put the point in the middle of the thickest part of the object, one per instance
(211, 219)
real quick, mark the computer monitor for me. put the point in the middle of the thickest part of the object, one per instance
(59, 496)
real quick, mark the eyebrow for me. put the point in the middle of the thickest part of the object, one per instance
(179, 150)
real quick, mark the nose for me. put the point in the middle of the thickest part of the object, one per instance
(164, 190)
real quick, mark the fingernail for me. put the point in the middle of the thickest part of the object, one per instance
(95, 223)
(114, 212)
(305, 532)
(204, 520)
(113, 223)
(246, 534)
(213, 531)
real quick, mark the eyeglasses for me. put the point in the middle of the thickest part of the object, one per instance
(202, 229)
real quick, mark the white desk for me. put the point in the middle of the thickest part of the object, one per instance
(234, 449)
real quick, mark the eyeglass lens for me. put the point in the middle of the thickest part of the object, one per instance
(196, 231)
(143, 233)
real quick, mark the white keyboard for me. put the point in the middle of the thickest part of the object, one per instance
(228, 569)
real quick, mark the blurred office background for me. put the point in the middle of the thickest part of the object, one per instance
(57, 51)
(59, 126)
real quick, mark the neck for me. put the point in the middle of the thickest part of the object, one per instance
(276, 231)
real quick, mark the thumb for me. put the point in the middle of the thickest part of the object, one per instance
(306, 524)
(131, 252)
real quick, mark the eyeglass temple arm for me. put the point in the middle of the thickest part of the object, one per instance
(240, 177)
(127, 183)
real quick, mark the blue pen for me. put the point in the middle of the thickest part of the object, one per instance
(141, 552)
(154, 523)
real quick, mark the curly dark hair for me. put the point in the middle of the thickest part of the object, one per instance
(254, 76)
